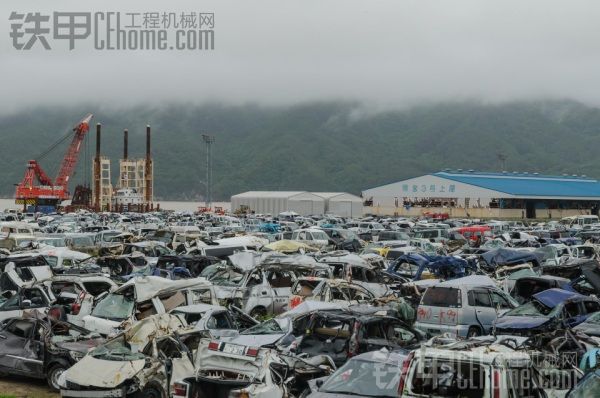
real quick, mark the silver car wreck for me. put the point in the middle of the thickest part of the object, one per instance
(262, 289)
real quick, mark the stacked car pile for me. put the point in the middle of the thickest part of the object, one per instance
(201, 305)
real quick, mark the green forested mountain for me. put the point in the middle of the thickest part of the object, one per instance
(323, 146)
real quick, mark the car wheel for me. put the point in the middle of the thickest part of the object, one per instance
(258, 313)
(474, 331)
(117, 270)
(150, 392)
(53, 375)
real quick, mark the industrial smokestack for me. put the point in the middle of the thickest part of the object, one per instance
(148, 171)
(98, 134)
(125, 143)
(147, 142)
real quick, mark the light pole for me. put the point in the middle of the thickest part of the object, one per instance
(208, 141)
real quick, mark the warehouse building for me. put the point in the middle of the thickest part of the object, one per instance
(301, 202)
(476, 194)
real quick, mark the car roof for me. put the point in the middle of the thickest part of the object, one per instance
(197, 308)
(383, 356)
(472, 280)
(553, 297)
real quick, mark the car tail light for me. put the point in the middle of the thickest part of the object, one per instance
(496, 389)
(54, 313)
(404, 372)
(214, 345)
(353, 345)
(180, 389)
(252, 351)
(75, 308)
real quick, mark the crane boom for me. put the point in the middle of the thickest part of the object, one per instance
(70, 160)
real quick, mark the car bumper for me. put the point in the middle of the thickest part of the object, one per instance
(115, 393)
(433, 329)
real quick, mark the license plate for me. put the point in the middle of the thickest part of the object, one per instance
(234, 349)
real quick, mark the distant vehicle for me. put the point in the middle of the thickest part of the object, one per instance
(475, 232)
(312, 237)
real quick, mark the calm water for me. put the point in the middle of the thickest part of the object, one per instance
(167, 205)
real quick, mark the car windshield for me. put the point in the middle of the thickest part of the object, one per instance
(272, 326)
(317, 235)
(427, 234)
(116, 350)
(356, 377)
(226, 277)
(56, 242)
(594, 318)
(533, 308)
(83, 241)
(116, 307)
(393, 235)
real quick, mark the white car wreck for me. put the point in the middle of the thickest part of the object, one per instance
(140, 362)
(145, 296)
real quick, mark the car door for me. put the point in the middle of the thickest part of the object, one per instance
(280, 283)
(17, 353)
(261, 293)
(11, 308)
(375, 336)
(485, 312)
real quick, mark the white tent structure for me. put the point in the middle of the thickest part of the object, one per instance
(304, 203)
(342, 204)
(276, 202)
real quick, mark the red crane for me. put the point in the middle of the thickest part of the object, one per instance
(48, 192)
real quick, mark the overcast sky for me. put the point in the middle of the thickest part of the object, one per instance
(378, 51)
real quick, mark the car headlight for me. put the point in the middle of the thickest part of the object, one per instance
(76, 355)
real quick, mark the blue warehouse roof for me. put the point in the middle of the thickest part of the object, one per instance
(527, 184)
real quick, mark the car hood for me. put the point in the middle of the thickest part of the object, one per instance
(100, 325)
(99, 373)
(520, 322)
(79, 346)
(588, 328)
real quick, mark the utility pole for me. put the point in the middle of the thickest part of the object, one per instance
(502, 158)
(208, 141)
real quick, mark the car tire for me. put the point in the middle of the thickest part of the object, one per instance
(53, 374)
(150, 392)
(474, 331)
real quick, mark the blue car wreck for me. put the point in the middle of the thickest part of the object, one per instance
(504, 257)
(411, 267)
(549, 310)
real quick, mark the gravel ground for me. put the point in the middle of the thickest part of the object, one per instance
(22, 387)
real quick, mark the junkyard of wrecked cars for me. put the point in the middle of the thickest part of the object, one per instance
(182, 304)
